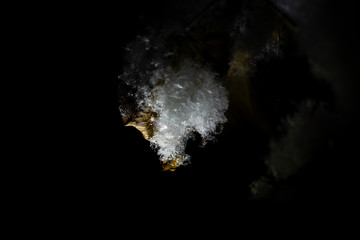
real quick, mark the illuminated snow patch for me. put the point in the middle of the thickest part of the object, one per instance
(190, 99)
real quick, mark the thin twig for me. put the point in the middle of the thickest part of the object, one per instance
(201, 14)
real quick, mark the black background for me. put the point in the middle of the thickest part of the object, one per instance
(94, 158)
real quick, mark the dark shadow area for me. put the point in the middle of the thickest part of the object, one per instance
(108, 163)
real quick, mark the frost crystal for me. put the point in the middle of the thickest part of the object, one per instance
(187, 100)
